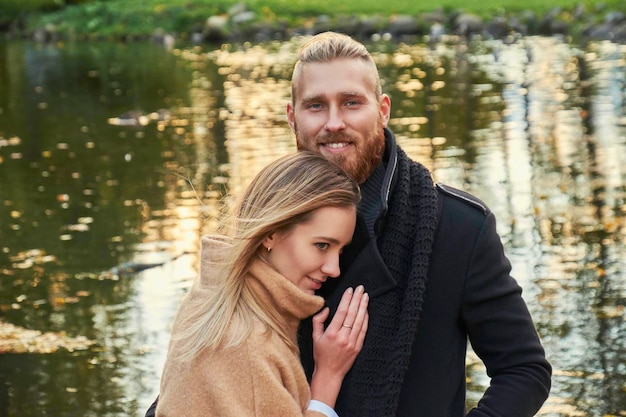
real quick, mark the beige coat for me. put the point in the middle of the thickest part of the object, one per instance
(263, 377)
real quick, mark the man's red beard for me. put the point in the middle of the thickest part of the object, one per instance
(369, 152)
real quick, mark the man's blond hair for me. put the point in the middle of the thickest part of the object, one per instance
(328, 46)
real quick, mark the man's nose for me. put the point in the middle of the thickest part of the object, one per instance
(335, 120)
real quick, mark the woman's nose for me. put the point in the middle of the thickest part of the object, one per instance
(331, 267)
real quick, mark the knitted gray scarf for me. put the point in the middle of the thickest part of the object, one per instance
(376, 378)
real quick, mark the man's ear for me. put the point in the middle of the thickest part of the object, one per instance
(385, 108)
(291, 117)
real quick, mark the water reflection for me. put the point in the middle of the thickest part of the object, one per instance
(535, 128)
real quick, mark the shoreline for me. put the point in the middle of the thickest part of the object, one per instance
(241, 24)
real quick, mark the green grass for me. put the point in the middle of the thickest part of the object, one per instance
(141, 17)
(367, 7)
(10, 8)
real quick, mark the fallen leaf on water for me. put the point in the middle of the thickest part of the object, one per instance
(15, 339)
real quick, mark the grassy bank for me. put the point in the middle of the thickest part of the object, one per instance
(141, 17)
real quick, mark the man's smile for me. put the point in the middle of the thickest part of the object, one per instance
(336, 145)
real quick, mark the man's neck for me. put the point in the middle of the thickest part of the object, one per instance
(370, 205)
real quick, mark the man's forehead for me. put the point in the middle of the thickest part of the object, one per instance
(355, 65)
(326, 94)
(316, 79)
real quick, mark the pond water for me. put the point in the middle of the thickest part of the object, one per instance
(116, 158)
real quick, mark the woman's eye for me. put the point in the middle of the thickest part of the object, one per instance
(322, 246)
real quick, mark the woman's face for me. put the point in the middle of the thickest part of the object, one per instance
(308, 254)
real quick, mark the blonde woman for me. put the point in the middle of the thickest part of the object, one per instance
(233, 350)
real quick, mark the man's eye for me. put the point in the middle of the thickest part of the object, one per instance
(352, 103)
(314, 106)
(322, 246)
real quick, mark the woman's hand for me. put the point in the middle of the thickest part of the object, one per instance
(336, 348)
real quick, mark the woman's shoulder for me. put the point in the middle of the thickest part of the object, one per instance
(214, 252)
(215, 247)
(261, 350)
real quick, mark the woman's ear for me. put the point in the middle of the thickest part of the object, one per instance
(268, 242)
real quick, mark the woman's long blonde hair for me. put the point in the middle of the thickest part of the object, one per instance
(281, 196)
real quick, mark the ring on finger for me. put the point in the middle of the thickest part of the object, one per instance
(345, 325)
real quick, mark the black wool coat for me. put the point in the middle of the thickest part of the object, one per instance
(466, 294)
